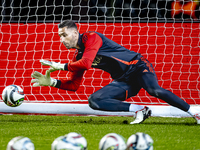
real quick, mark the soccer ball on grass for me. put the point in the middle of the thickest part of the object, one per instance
(112, 141)
(13, 95)
(140, 141)
(70, 141)
(20, 143)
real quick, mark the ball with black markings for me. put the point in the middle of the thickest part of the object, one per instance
(13, 95)
(140, 141)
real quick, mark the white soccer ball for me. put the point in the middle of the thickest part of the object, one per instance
(20, 143)
(77, 138)
(140, 141)
(71, 141)
(13, 95)
(112, 141)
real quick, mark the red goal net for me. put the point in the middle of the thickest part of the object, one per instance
(172, 48)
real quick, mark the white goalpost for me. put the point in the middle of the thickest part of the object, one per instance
(166, 32)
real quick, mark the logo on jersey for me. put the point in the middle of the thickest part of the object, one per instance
(96, 61)
(85, 38)
(133, 62)
(147, 64)
(145, 70)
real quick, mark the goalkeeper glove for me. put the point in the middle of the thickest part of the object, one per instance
(43, 80)
(54, 65)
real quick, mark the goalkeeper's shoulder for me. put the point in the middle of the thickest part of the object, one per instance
(92, 37)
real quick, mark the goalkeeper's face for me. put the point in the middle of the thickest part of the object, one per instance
(69, 37)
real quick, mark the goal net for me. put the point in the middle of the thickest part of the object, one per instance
(166, 32)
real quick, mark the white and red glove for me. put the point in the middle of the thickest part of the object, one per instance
(43, 80)
(54, 65)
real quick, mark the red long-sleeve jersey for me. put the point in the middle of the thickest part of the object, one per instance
(98, 51)
(92, 42)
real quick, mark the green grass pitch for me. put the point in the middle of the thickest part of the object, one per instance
(167, 133)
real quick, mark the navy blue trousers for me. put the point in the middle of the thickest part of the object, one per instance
(112, 96)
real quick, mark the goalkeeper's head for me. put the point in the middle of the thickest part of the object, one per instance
(68, 33)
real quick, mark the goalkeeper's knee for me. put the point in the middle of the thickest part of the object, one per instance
(93, 103)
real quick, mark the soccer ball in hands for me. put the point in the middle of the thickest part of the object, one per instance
(20, 143)
(140, 141)
(112, 141)
(13, 95)
(72, 141)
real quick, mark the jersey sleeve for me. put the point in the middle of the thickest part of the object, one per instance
(92, 42)
(71, 84)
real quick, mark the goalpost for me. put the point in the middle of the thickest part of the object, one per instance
(167, 33)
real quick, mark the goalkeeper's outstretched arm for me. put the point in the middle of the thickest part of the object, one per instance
(73, 83)
(45, 80)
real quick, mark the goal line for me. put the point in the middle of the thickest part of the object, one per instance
(84, 109)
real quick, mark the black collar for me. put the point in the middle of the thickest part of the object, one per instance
(79, 40)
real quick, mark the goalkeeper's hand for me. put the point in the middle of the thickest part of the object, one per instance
(43, 80)
(54, 65)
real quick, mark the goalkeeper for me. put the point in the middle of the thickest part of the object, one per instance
(129, 70)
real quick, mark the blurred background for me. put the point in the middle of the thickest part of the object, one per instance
(99, 10)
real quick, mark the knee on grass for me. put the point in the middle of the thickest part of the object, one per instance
(92, 100)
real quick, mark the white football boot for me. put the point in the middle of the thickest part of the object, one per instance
(141, 115)
(197, 117)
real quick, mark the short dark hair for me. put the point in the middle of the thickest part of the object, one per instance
(68, 24)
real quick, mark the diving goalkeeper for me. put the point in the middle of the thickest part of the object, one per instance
(129, 70)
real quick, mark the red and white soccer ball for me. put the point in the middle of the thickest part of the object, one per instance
(13, 95)
(112, 141)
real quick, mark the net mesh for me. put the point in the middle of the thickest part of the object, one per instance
(167, 33)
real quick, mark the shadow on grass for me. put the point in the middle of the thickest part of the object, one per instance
(188, 121)
(96, 120)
